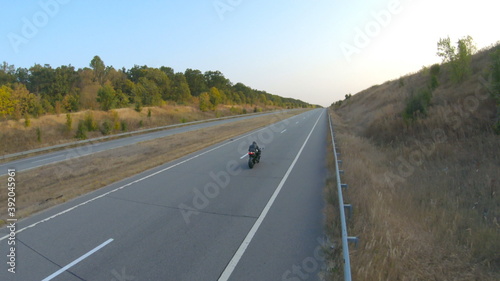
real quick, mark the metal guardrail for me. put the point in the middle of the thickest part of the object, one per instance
(342, 207)
(124, 134)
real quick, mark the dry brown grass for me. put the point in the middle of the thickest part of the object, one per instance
(15, 137)
(425, 194)
(408, 230)
(49, 185)
(334, 265)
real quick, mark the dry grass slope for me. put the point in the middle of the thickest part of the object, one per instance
(425, 193)
(15, 136)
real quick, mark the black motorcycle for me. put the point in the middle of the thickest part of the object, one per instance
(253, 158)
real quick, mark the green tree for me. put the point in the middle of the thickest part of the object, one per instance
(7, 104)
(262, 99)
(162, 82)
(99, 69)
(196, 81)
(24, 100)
(216, 79)
(64, 81)
(168, 71)
(7, 74)
(22, 75)
(205, 104)
(71, 103)
(457, 58)
(147, 92)
(180, 88)
(136, 72)
(106, 97)
(122, 85)
(216, 97)
(41, 79)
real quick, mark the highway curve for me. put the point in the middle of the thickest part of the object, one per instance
(206, 216)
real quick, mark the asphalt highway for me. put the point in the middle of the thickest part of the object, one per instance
(206, 216)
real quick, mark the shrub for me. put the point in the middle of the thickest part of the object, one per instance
(401, 82)
(205, 104)
(106, 127)
(81, 131)
(124, 126)
(417, 105)
(434, 71)
(141, 123)
(234, 110)
(434, 83)
(138, 106)
(435, 68)
(38, 134)
(27, 121)
(458, 58)
(149, 112)
(116, 120)
(69, 122)
(90, 123)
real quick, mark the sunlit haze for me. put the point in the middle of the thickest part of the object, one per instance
(314, 50)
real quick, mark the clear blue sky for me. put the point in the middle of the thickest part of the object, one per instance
(313, 50)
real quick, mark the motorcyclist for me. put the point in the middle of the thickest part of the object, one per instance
(255, 148)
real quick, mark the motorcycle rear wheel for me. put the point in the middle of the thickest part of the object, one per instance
(250, 163)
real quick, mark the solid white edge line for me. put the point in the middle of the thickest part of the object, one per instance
(241, 250)
(77, 260)
(133, 182)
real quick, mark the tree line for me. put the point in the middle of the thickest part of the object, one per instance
(41, 89)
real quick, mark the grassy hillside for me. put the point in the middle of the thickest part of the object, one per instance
(424, 187)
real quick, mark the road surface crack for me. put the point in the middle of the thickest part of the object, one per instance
(182, 209)
(48, 259)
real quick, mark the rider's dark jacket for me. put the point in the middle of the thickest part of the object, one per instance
(254, 148)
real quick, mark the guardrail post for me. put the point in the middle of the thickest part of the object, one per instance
(353, 239)
(349, 208)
